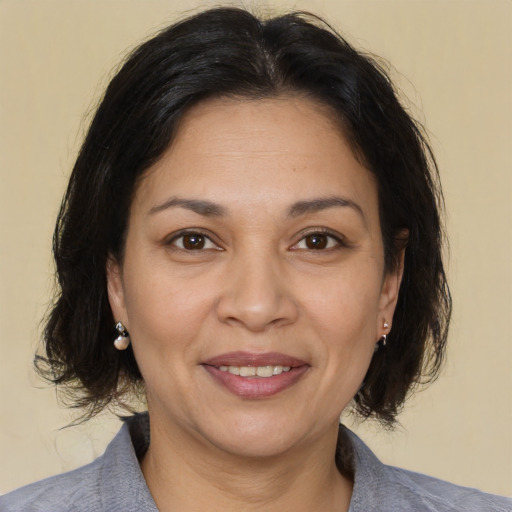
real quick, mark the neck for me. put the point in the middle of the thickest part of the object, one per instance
(185, 475)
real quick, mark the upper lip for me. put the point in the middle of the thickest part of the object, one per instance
(241, 358)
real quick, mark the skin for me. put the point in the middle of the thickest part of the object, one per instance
(255, 283)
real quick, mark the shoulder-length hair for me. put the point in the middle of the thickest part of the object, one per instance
(230, 52)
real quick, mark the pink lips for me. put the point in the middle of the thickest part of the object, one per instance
(255, 387)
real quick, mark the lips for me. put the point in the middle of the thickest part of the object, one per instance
(256, 371)
(255, 376)
(252, 359)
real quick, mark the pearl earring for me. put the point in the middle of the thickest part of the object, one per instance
(123, 340)
(383, 339)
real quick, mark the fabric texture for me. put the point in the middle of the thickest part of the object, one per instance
(114, 483)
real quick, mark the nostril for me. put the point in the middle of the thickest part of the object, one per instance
(257, 313)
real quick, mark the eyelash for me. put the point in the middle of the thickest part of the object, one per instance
(191, 233)
(339, 242)
(331, 237)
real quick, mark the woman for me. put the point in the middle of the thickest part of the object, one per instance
(261, 248)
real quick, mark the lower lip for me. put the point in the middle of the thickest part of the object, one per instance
(256, 387)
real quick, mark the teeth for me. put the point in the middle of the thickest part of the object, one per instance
(255, 371)
(265, 371)
(248, 371)
(235, 370)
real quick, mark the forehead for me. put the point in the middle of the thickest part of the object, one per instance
(256, 152)
(264, 125)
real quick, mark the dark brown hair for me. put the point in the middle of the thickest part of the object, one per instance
(230, 52)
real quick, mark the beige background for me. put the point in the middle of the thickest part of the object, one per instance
(454, 61)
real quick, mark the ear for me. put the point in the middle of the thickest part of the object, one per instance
(391, 284)
(116, 291)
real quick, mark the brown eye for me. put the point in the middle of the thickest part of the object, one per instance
(193, 242)
(319, 241)
(316, 241)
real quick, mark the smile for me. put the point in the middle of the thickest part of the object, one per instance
(255, 371)
(255, 375)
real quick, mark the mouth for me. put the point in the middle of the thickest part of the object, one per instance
(255, 371)
(255, 376)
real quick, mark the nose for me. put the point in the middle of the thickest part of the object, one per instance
(256, 294)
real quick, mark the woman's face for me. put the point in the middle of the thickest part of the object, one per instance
(254, 245)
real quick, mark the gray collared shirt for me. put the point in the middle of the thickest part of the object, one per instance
(114, 483)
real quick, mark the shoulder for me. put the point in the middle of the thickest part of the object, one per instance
(112, 482)
(441, 496)
(382, 488)
(76, 490)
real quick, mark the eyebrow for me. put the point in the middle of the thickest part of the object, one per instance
(201, 207)
(323, 203)
(211, 209)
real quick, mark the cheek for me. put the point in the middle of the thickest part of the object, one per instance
(166, 316)
(163, 309)
(344, 304)
(342, 313)
(164, 322)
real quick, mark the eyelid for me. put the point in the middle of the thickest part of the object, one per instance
(337, 237)
(170, 240)
(340, 240)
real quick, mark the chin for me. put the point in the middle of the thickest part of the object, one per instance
(256, 445)
(260, 437)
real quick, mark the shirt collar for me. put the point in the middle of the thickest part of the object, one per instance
(122, 478)
(122, 481)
